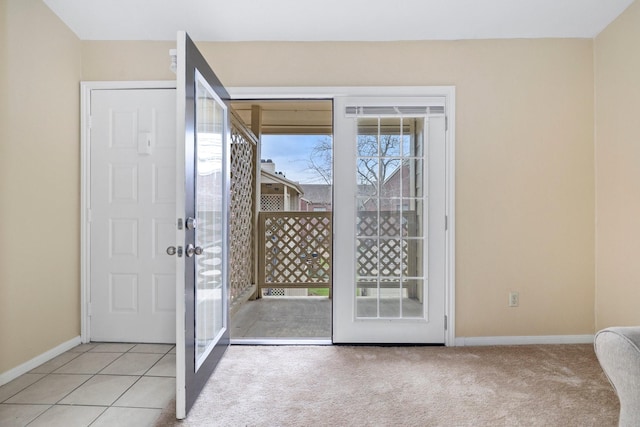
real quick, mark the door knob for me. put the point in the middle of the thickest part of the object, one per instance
(193, 250)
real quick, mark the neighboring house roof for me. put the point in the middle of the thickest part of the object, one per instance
(317, 193)
(267, 177)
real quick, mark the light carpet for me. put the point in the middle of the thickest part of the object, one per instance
(542, 385)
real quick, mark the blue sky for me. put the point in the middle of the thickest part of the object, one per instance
(291, 154)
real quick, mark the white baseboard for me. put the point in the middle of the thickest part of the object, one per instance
(14, 373)
(524, 340)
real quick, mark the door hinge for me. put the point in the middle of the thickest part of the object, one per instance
(89, 309)
(446, 323)
(446, 222)
(446, 123)
(89, 218)
(90, 122)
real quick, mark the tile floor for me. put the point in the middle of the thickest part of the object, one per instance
(93, 385)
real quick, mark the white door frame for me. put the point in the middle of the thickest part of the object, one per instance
(448, 92)
(240, 93)
(85, 188)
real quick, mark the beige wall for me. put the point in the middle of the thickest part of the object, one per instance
(39, 182)
(525, 168)
(617, 82)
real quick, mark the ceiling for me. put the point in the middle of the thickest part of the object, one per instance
(336, 20)
(300, 117)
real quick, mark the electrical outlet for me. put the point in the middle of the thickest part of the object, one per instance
(514, 299)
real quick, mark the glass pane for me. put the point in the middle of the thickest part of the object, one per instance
(390, 299)
(390, 178)
(367, 299)
(390, 137)
(413, 215)
(414, 180)
(412, 251)
(417, 138)
(367, 217)
(366, 258)
(389, 258)
(210, 122)
(413, 298)
(390, 217)
(407, 146)
(390, 222)
(367, 177)
(368, 137)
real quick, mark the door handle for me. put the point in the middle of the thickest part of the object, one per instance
(193, 250)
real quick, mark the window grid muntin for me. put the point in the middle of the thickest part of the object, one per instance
(417, 156)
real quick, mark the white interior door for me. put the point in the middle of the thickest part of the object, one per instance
(389, 218)
(132, 211)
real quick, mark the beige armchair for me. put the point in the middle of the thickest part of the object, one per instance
(618, 351)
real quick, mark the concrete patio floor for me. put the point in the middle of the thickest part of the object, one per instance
(283, 317)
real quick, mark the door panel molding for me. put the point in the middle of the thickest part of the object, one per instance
(133, 137)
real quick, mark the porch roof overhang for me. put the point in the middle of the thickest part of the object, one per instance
(286, 117)
(267, 177)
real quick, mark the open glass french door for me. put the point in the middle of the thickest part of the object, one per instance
(389, 219)
(202, 206)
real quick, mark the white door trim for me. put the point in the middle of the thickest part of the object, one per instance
(85, 191)
(239, 93)
(449, 93)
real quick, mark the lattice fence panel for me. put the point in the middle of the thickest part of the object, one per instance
(271, 202)
(382, 247)
(297, 249)
(241, 225)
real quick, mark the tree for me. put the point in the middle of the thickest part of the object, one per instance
(321, 159)
(371, 169)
